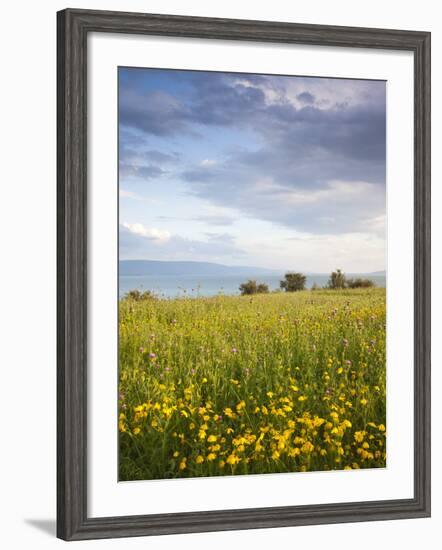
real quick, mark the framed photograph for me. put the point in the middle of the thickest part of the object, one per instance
(243, 274)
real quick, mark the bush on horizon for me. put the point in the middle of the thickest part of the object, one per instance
(138, 296)
(359, 283)
(293, 282)
(336, 280)
(252, 287)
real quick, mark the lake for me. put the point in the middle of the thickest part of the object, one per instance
(211, 285)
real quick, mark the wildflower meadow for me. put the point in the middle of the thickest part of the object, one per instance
(226, 385)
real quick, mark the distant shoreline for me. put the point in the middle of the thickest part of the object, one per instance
(170, 286)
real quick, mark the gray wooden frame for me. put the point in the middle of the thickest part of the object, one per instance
(73, 27)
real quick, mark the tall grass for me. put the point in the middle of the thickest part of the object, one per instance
(238, 384)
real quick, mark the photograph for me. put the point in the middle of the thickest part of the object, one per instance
(251, 274)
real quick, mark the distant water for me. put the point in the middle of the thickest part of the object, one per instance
(211, 285)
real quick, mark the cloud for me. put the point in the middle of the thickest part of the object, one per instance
(214, 99)
(306, 98)
(139, 162)
(132, 196)
(156, 112)
(220, 237)
(209, 219)
(215, 219)
(333, 208)
(150, 233)
(124, 194)
(353, 252)
(160, 157)
(141, 172)
(135, 150)
(138, 242)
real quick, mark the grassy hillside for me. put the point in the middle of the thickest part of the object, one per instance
(237, 385)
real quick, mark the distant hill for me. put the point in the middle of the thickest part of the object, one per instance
(172, 268)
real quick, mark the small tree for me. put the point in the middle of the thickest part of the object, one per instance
(262, 288)
(138, 296)
(336, 280)
(360, 283)
(293, 282)
(314, 287)
(252, 287)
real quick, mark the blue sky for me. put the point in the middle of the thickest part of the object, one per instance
(272, 171)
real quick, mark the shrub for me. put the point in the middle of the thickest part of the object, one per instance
(359, 283)
(336, 280)
(252, 287)
(263, 288)
(293, 282)
(315, 287)
(138, 296)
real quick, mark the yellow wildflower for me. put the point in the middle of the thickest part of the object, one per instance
(228, 412)
(307, 447)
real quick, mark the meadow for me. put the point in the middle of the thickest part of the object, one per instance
(279, 382)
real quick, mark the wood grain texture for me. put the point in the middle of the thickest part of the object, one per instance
(72, 29)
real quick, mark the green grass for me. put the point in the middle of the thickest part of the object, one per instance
(270, 383)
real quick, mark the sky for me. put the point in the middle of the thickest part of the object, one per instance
(279, 172)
